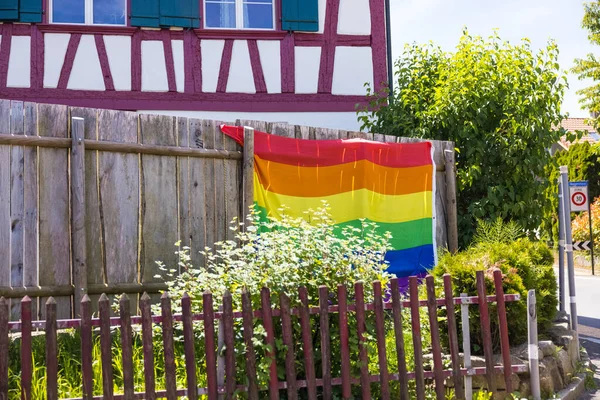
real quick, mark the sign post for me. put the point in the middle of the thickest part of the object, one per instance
(561, 249)
(580, 201)
(566, 204)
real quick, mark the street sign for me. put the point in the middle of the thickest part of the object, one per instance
(578, 192)
(578, 246)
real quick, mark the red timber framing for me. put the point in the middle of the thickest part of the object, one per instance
(315, 380)
(193, 98)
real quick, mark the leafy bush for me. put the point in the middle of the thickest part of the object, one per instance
(581, 226)
(283, 255)
(524, 264)
(497, 231)
(498, 102)
(583, 161)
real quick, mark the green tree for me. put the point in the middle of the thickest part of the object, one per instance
(589, 67)
(583, 161)
(498, 103)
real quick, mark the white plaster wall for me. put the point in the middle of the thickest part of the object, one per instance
(86, 73)
(154, 70)
(55, 48)
(354, 17)
(178, 63)
(353, 67)
(270, 60)
(19, 62)
(308, 61)
(118, 51)
(333, 120)
(322, 13)
(212, 52)
(241, 78)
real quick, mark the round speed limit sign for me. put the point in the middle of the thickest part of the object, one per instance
(579, 199)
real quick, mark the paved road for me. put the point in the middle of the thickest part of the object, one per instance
(588, 311)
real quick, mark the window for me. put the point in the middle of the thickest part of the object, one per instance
(240, 14)
(97, 12)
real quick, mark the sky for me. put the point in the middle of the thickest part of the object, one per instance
(442, 22)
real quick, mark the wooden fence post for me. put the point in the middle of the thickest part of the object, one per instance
(534, 367)
(451, 210)
(248, 172)
(486, 333)
(26, 355)
(220, 356)
(4, 318)
(466, 331)
(78, 211)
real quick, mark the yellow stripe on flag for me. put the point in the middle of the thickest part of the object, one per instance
(351, 205)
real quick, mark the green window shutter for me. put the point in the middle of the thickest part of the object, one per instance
(30, 10)
(9, 10)
(144, 13)
(182, 13)
(300, 15)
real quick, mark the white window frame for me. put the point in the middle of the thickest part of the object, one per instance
(239, 17)
(88, 15)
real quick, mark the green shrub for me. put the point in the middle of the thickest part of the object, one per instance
(524, 264)
(583, 161)
(283, 255)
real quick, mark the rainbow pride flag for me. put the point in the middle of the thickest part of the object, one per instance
(391, 184)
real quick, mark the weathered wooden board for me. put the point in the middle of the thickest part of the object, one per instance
(159, 199)
(359, 135)
(4, 196)
(54, 253)
(193, 191)
(282, 129)
(220, 177)
(260, 126)
(441, 233)
(17, 205)
(208, 138)
(30, 218)
(329, 134)
(93, 228)
(183, 181)
(305, 132)
(119, 197)
(232, 176)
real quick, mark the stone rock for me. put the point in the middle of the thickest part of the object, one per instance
(547, 348)
(521, 351)
(480, 382)
(546, 384)
(558, 330)
(565, 365)
(525, 388)
(573, 351)
(562, 316)
(550, 378)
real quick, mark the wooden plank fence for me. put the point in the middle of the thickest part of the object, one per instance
(90, 199)
(347, 308)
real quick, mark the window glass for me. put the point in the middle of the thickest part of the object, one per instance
(68, 11)
(110, 12)
(258, 14)
(220, 14)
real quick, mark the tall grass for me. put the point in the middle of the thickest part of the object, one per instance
(70, 377)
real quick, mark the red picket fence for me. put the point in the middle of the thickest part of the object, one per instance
(269, 316)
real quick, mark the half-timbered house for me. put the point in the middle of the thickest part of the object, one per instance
(297, 61)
